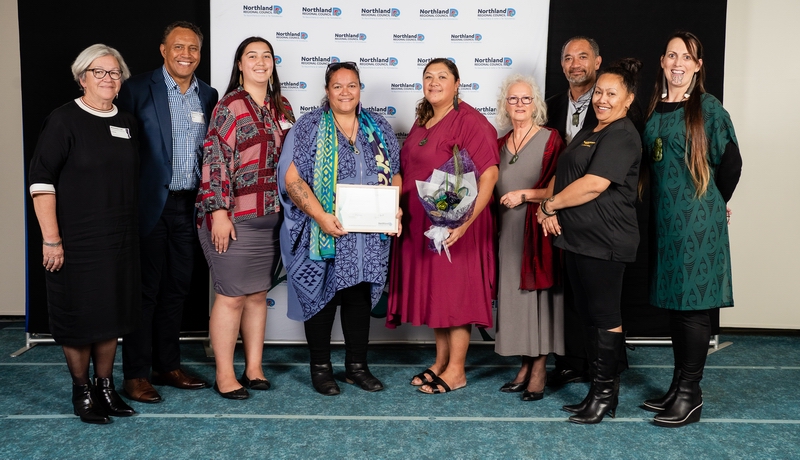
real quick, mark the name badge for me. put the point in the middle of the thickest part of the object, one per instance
(285, 124)
(122, 133)
(198, 117)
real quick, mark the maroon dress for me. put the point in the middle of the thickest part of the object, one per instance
(425, 288)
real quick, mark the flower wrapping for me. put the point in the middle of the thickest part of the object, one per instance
(448, 197)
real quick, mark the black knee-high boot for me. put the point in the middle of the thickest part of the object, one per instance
(590, 337)
(688, 403)
(678, 344)
(603, 396)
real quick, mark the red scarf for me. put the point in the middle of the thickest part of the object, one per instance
(541, 262)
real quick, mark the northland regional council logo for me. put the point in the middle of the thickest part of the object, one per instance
(319, 11)
(405, 87)
(293, 86)
(377, 62)
(460, 38)
(469, 87)
(408, 38)
(386, 111)
(422, 62)
(493, 62)
(487, 111)
(379, 13)
(317, 61)
(295, 36)
(496, 13)
(261, 10)
(435, 13)
(349, 37)
(305, 109)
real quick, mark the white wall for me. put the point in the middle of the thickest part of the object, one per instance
(12, 211)
(762, 76)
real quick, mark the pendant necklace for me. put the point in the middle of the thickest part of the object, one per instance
(425, 139)
(658, 144)
(515, 155)
(576, 116)
(349, 140)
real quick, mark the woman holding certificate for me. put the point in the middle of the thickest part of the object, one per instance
(426, 287)
(339, 143)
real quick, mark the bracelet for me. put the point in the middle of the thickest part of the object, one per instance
(544, 208)
(52, 245)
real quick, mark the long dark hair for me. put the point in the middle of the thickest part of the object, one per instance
(696, 148)
(424, 108)
(274, 88)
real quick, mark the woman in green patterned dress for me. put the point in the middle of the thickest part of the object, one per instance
(694, 167)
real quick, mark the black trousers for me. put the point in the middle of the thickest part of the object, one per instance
(575, 356)
(167, 256)
(691, 332)
(356, 305)
(597, 287)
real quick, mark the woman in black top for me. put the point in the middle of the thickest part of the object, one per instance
(593, 218)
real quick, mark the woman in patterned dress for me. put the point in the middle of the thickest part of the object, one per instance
(338, 143)
(695, 166)
(239, 212)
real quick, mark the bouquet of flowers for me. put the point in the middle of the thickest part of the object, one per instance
(448, 197)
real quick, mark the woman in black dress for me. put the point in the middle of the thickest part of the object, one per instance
(83, 178)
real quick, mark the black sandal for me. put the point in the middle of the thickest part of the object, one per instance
(421, 376)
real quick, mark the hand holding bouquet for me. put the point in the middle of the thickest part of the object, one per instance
(448, 197)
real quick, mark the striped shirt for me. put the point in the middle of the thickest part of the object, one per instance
(188, 132)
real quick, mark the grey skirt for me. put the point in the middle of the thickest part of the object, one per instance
(250, 261)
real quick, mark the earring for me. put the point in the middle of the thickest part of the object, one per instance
(691, 86)
(664, 90)
(270, 84)
(241, 82)
(455, 102)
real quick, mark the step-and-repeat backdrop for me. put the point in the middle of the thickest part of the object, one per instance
(391, 42)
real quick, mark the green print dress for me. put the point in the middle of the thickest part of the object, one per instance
(692, 262)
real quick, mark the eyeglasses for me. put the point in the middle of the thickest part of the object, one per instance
(101, 73)
(514, 99)
(345, 64)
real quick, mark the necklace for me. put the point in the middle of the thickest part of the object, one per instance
(351, 140)
(425, 140)
(95, 108)
(515, 155)
(579, 107)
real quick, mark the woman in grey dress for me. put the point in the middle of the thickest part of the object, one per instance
(530, 299)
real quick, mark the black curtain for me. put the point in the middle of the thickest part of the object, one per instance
(51, 37)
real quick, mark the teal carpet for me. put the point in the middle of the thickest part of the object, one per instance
(750, 392)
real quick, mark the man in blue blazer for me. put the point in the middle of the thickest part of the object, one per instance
(173, 108)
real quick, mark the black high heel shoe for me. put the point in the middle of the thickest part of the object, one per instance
(109, 398)
(511, 387)
(86, 406)
(322, 379)
(237, 394)
(359, 374)
(254, 384)
(686, 408)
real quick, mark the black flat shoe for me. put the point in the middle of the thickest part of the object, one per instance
(532, 395)
(561, 377)
(359, 374)
(254, 384)
(238, 394)
(511, 387)
(322, 379)
(86, 406)
(109, 398)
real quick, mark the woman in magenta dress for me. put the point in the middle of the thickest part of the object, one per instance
(425, 287)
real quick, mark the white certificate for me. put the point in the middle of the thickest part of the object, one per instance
(367, 208)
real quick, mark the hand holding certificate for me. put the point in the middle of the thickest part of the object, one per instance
(367, 208)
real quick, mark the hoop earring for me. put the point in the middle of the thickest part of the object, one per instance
(664, 89)
(455, 102)
(691, 86)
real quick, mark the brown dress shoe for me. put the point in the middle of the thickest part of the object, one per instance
(141, 390)
(178, 379)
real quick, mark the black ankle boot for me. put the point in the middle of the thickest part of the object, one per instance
(322, 379)
(109, 399)
(660, 404)
(603, 396)
(685, 409)
(359, 374)
(86, 406)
